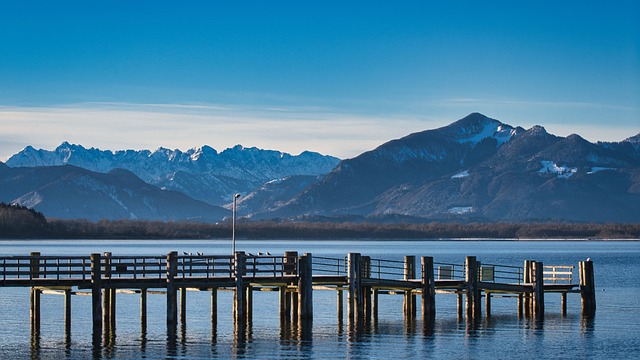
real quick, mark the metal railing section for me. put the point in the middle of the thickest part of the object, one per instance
(46, 267)
(449, 271)
(134, 267)
(204, 266)
(500, 273)
(329, 266)
(266, 266)
(384, 269)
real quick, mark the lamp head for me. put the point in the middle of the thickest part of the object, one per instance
(235, 196)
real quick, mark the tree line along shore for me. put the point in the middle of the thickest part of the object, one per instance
(18, 222)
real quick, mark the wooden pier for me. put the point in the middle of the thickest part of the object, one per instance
(294, 277)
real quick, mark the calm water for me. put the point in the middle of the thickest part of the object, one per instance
(613, 333)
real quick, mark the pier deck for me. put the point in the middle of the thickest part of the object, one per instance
(294, 277)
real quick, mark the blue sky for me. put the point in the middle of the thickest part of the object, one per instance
(329, 76)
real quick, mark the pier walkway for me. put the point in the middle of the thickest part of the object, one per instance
(294, 277)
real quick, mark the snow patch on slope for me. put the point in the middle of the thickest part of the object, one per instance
(501, 133)
(598, 169)
(460, 210)
(29, 200)
(461, 175)
(563, 172)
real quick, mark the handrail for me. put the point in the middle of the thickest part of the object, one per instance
(558, 273)
(78, 268)
(45, 267)
(380, 267)
(449, 271)
(496, 272)
(263, 265)
(329, 266)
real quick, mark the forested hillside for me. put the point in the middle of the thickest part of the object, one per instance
(20, 221)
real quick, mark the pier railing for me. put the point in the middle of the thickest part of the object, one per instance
(78, 268)
(558, 274)
(383, 269)
(449, 271)
(501, 273)
(45, 267)
(274, 266)
(329, 266)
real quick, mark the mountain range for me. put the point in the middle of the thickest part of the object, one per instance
(475, 169)
(71, 192)
(479, 169)
(201, 173)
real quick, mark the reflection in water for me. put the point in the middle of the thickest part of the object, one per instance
(305, 330)
(96, 344)
(109, 345)
(35, 344)
(143, 341)
(242, 337)
(587, 325)
(172, 341)
(302, 340)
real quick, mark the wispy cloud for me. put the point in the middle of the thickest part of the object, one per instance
(149, 126)
(293, 129)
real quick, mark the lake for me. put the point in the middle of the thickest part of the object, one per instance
(613, 333)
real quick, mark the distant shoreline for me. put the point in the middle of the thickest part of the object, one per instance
(22, 223)
(336, 240)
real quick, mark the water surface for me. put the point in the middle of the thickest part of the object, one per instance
(613, 333)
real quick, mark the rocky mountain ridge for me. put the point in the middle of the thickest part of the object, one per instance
(202, 173)
(476, 169)
(71, 192)
(479, 169)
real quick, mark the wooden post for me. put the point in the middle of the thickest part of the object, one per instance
(587, 288)
(305, 287)
(67, 311)
(291, 301)
(340, 305)
(34, 298)
(214, 309)
(460, 305)
(527, 279)
(354, 301)
(366, 290)
(563, 303)
(294, 301)
(520, 305)
(183, 306)
(107, 295)
(34, 263)
(409, 304)
(285, 310)
(96, 294)
(374, 307)
(487, 303)
(249, 304)
(112, 310)
(106, 310)
(172, 301)
(473, 293)
(143, 310)
(538, 289)
(35, 309)
(428, 289)
(239, 294)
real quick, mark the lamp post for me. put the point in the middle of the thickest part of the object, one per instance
(233, 223)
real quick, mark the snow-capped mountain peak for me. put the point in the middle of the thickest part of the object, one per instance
(201, 173)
